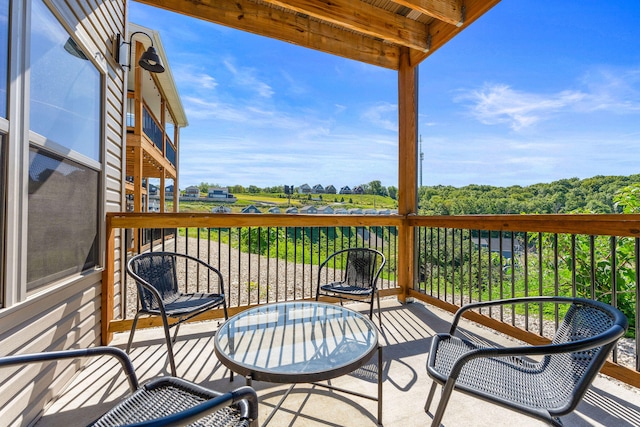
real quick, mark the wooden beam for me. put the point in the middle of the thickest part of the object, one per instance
(441, 32)
(363, 18)
(448, 11)
(287, 26)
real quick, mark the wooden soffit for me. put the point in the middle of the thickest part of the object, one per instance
(370, 31)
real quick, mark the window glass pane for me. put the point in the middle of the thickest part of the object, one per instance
(4, 55)
(63, 218)
(65, 87)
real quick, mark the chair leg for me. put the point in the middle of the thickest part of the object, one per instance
(444, 400)
(175, 333)
(167, 337)
(432, 392)
(379, 311)
(133, 330)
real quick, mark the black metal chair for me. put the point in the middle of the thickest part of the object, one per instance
(165, 292)
(353, 274)
(164, 401)
(546, 388)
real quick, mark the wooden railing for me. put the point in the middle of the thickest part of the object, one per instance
(446, 262)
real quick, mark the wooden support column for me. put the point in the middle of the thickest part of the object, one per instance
(137, 178)
(108, 282)
(162, 185)
(176, 191)
(407, 169)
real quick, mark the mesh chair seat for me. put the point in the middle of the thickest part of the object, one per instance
(345, 288)
(515, 381)
(165, 397)
(185, 304)
(546, 387)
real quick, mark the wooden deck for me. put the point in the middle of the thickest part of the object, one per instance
(407, 333)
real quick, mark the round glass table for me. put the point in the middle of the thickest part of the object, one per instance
(299, 342)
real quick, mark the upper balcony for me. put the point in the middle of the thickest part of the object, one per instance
(154, 117)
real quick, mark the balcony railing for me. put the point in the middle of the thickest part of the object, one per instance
(151, 127)
(170, 152)
(444, 261)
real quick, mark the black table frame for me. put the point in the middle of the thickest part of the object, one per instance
(254, 373)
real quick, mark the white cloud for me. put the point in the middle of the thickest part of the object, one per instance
(496, 104)
(605, 89)
(190, 77)
(383, 115)
(246, 77)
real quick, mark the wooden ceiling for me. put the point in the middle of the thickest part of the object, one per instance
(370, 31)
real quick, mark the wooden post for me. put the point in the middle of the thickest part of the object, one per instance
(407, 169)
(162, 184)
(107, 283)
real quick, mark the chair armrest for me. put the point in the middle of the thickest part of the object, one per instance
(123, 358)
(212, 405)
(521, 300)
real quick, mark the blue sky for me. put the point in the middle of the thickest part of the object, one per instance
(534, 91)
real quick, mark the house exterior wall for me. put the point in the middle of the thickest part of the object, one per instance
(66, 313)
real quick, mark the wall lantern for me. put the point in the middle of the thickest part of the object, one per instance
(149, 60)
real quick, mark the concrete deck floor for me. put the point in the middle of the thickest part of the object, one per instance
(407, 334)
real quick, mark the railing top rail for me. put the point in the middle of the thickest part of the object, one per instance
(172, 220)
(590, 224)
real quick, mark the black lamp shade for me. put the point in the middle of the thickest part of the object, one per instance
(150, 61)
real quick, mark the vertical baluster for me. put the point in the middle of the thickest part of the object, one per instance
(574, 284)
(556, 277)
(637, 311)
(540, 289)
(526, 278)
(614, 285)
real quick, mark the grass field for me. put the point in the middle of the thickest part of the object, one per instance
(264, 201)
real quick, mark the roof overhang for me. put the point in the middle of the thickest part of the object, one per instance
(165, 80)
(370, 31)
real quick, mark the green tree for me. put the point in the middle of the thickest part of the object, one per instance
(393, 192)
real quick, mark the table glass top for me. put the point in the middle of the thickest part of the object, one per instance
(296, 341)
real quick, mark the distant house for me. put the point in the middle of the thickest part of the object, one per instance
(345, 190)
(304, 189)
(291, 210)
(355, 211)
(340, 211)
(484, 243)
(251, 209)
(330, 189)
(274, 210)
(168, 191)
(221, 209)
(217, 192)
(309, 210)
(153, 190)
(317, 189)
(358, 190)
(192, 191)
(326, 210)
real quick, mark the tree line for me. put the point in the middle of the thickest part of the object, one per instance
(591, 195)
(572, 195)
